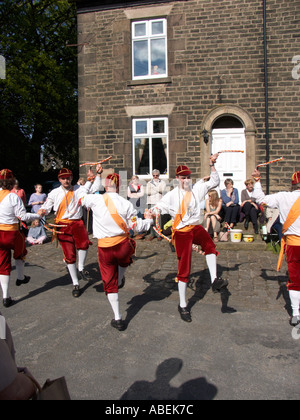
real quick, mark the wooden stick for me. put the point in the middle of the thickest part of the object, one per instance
(271, 161)
(231, 151)
(95, 163)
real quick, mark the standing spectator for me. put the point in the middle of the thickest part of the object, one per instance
(155, 190)
(135, 192)
(37, 199)
(19, 191)
(249, 206)
(231, 207)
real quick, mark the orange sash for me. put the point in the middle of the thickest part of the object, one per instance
(181, 213)
(289, 239)
(63, 207)
(3, 226)
(3, 194)
(115, 240)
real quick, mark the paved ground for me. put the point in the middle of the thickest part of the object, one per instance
(239, 345)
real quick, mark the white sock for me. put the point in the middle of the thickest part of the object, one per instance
(211, 261)
(4, 281)
(182, 294)
(295, 301)
(82, 254)
(114, 302)
(121, 274)
(73, 273)
(20, 269)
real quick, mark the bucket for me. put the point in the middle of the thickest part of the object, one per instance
(236, 235)
(248, 238)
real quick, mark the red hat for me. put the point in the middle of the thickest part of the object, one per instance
(183, 171)
(65, 173)
(112, 180)
(296, 178)
(6, 174)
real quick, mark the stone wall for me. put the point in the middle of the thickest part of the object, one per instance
(216, 60)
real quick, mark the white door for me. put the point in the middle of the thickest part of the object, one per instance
(230, 164)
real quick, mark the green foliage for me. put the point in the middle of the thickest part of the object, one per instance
(39, 94)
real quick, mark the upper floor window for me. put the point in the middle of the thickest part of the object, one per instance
(150, 146)
(149, 49)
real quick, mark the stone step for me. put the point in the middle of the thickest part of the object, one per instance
(256, 245)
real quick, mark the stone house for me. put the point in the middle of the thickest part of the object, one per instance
(165, 83)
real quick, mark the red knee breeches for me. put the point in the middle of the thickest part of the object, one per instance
(183, 245)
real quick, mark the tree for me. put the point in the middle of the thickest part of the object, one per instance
(38, 109)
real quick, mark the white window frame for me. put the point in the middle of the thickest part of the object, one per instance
(150, 135)
(149, 37)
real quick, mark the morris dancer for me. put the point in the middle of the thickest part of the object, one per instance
(11, 211)
(288, 204)
(113, 216)
(72, 234)
(184, 205)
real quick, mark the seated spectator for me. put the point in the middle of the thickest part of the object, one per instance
(212, 217)
(36, 234)
(249, 207)
(273, 221)
(231, 207)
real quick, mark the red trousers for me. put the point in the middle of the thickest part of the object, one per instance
(11, 241)
(74, 237)
(183, 245)
(293, 263)
(109, 260)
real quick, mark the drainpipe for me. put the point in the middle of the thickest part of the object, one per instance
(266, 97)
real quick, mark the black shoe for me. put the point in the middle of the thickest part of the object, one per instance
(8, 302)
(219, 284)
(25, 281)
(119, 324)
(122, 283)
(76, 292)
(294, 321)
(84, 274)
(185, 314)
(246, 224)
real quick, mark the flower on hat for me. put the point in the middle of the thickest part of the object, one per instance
(296, 178)
(64, 172)
(6, 174)
(183, 170)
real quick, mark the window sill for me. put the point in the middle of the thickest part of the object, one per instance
(149, 81)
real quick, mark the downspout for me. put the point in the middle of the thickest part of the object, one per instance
(266, 97)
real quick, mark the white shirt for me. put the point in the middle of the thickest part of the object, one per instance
(12, 209)
(74, 209)
(103, 224)
(283, 201)
(171, 202)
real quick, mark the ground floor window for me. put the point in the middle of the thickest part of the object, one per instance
(150, 146)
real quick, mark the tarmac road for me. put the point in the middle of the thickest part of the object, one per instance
(238, 347)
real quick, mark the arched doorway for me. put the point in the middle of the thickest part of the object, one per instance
(239, 133)
(228, 133)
